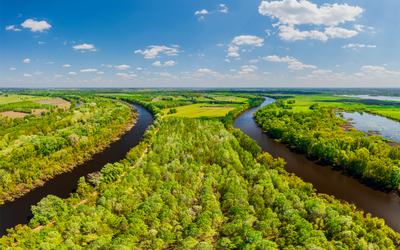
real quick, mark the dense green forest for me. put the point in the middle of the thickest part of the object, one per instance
(192, 184)
(36, 148)
(321, 134)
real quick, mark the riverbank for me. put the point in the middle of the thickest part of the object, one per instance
(324, 179)
(63, 184)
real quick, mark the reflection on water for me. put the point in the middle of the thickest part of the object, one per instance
(375, 97)
(325, 179)
(374, 123)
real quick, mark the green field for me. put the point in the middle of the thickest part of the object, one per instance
(7, 99)
(303, 102)
(200, 110)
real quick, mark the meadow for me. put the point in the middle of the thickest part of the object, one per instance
(387, 109)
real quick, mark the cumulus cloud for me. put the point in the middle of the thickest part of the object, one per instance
(84, 47)
(27, 75)
(358, 46)
(12, 69)
(72, 73)
(126, 75)
(201, 12)
(297, 12)
(243, 40)
(169, 63)
(290, 33)
(26, 60)
(378, 70)
(247, 69)
(205, 71)
(292, 13)
(89, 70)
(12, 28)
(293, 63)
(223, 8)
(36, 26)
(66, 65)
(122, 67)
(154, 51)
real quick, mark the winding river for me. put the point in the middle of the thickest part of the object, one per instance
(19, 210)
(325, 179)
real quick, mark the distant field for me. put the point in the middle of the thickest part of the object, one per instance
(18, 106)
(303, 103)
(6, 99)
(200, 110)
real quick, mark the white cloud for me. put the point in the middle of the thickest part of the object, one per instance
(248, 40)
(12, 28)
(169, 63)
(122, 67)
(358, 46)
(66, 65)
(293, 63)
(36, 26)
(72, 73)
(223, 8)
(27, 75)
(378, 70)
(100, 72)
(84, 47)
(297, 12)
(58, 76)
(201, 12)
(26, 60)
(290, 33)
(247, 69)
(243, 40)
(12, 69)
(291, 13)
(89, 70)
(154, 51)
(206, 71)
(126, 75)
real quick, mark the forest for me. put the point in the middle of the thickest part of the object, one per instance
(35, 148)
(197, 183)
(321, 134)
(212, 188)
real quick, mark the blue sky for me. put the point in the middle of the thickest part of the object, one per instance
(247, 43)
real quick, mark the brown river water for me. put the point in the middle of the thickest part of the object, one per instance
(324, 178)
(19, 210)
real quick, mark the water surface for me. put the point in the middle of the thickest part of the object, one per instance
(375, 97)
(325, 179)
(19, 210)
(374, 123)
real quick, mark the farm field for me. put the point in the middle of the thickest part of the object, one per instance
(200, 110)
(384, 108)
(40, 147)
(19, 106)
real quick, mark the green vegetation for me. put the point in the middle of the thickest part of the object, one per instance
(319, 133)
(388, 109)
(34, 149)
(206, 188)
(12, 98)
(201, 110)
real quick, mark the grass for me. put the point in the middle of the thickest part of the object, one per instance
(200, 110)
(303, 102)
(7, 99)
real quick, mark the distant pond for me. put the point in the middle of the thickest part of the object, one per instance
(374, 123)
(375, 97)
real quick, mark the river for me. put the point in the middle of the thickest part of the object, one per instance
(325, 179)
(19, 210)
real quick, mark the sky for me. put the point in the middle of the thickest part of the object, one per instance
(188, 43)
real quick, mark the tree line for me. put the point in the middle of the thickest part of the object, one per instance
(321, 135)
